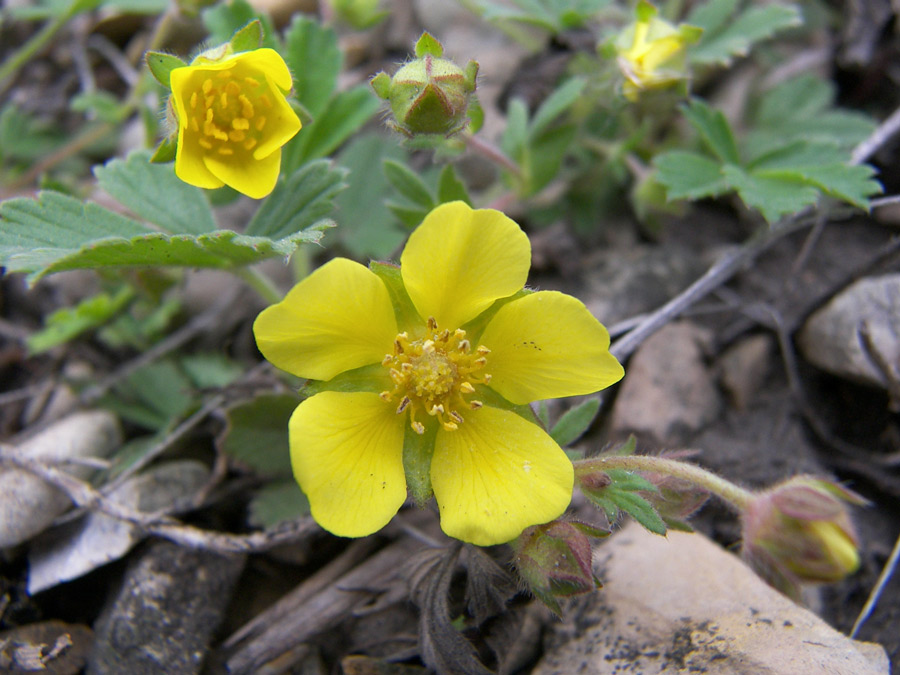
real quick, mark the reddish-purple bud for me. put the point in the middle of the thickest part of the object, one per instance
(554, 560)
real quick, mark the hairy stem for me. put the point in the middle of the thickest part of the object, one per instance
(734, 495)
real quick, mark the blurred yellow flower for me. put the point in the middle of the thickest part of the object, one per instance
(651, 52)
(434, 358)
(233, 119)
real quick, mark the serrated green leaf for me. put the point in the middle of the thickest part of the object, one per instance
(55, 232)
(344, 115)
(713, 129)
(156, 396)
(23, 137)
(299, 201)
(544, 156)
(738, 37)
(556, 104)
(515, 135)
(773, 197)
(161, 66)
(312, 53)
(210, 370)
(65, 324)
(277, 503)
(629, 481)
(711, 16)
(100, 105)
(410, 216)
(575, 422)
(451, 188)
(224, 19)
(367, 227)
(248, 38)
(853, 184)
(256, 433)
(408, 184)
(797, 98)
(641, 510)
(687, 175)
(156, 194)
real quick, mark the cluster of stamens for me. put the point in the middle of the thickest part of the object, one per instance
(434, 374)
(229, 112)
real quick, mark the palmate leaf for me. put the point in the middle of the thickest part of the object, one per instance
(723, 39)
(55, 233)
(688, 175)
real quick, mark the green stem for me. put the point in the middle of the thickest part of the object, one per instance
(492, 152)
(736, 496)
(260, 283)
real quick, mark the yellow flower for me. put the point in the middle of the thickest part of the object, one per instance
(233, 118)
(651, 52)
(435, 355)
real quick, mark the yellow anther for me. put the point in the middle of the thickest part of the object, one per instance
(418, 427)
(209, 116)
(432, 323)
(260, 123)
(265, 100)
(223, 99)
(403, 404)
(482, 350)
(194, 100)
(207, 85)
(464, 346)
(240, 123)
(208, 101)
(250, 143)
(205, 143)
(236, 136)
(233, 88)
(224, 74)
(226, 151)
(385, 396)
(251, 81)
(475, 405)
(466, 388)
(246, 106)
(195, 126)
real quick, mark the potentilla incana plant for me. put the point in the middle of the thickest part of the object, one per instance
(424, 369)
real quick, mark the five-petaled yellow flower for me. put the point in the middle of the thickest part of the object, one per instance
(233, 118)
(443, 354)
(651, 52)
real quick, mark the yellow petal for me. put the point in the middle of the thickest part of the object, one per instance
(255, 178)
(189, 165)
(459, 261)
(496, 475)
(339, 318)
(546, 345)
(267, 61)
(282, 124)
(347, 456)
(662, 50)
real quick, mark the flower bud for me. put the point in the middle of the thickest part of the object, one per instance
(800, 531)
(554, 560)
(429, 95)
(651, 52)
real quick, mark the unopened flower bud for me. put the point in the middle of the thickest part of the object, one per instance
(651, 52)
(554, 560)
(800, 531)
(429, 95)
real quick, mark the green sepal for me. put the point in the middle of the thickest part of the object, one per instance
(476, 326)
(418, 450)
(166, 151)
(590, 531)
(371, 378)
(161, 66)
(381, 83)
(645, 11)
(471, 73)
(429, 45)
(575, 421)
(247, 38)
(404, 309)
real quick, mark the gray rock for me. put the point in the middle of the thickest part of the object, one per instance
(744, 367)
(831, 338)
(171, 602)
(76, 548)
(680, 604)
(28, 504)
(668, 392)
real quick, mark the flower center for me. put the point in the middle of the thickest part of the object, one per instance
(434, 374)
(229, 112)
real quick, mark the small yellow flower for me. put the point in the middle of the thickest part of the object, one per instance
(233, 119)
(442, 356)
(651, 52)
